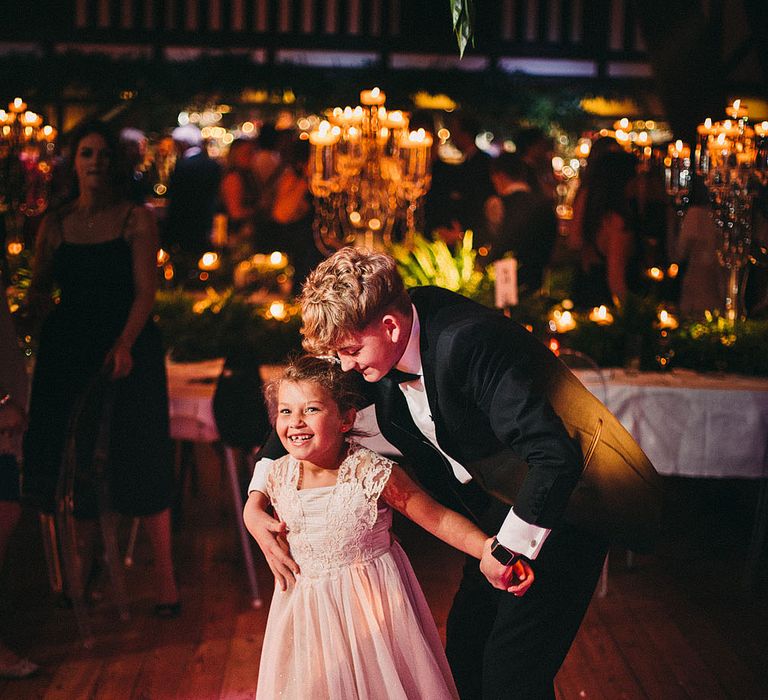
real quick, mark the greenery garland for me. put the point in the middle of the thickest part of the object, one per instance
(206, 324)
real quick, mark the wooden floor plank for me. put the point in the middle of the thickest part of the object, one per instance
(667, 629)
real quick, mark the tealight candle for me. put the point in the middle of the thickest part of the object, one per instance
(563, 321)
(372, 97)
(655, 273)
(601, 315)
(666, 320)
(209, 261)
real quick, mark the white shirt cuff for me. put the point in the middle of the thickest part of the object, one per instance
(521, 537)
(260, 472)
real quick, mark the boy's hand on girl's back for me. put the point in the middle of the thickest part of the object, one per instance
(269, 534)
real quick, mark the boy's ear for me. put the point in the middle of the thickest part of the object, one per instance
(392, 326)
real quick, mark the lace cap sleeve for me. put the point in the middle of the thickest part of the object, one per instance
(372, 471)
(277, 476)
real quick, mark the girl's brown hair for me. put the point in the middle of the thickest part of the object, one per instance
(343, 387)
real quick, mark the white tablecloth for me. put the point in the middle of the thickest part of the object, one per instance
(691, 424)
(688, 424)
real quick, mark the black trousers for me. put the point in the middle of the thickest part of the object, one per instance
(500, 646)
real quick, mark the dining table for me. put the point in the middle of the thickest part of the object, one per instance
(696, 425)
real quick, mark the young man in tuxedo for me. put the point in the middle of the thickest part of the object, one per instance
(486, 417)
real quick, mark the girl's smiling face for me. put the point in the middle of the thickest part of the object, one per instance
(310, 425)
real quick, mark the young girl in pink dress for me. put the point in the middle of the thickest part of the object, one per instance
(354, 622)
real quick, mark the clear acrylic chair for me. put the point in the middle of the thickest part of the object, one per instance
(83, 476)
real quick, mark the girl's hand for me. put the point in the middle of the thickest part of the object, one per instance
(515, 579)
(120, 359)
(520, 577)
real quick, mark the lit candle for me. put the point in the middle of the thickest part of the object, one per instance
(706, 128)
(601, 315)
(655, 273)
(678, 149)
(737, 110)
(414, 150)
(562, 321)
(761, 129)
(728, 128)
(18, 105)
(277, 310)
(209, 261)
(325, 134)
(372, 97)
(666, 320)
(395, 120)
(48, 133)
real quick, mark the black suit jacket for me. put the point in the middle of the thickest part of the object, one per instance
(521, 423)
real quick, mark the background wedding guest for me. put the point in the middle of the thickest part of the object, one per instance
(520, 221)
(608, 268)
(291, 221)
(13, 418)
(575, 230)
(455, 200)
(193, 193)
(534, 147)
(100, 250)
(703, 283)
(240, 193)
(134, 153)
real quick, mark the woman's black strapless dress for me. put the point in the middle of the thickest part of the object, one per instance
(97, 291)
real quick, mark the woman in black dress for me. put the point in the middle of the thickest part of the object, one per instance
(100, 250)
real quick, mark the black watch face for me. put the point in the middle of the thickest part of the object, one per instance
(502, 555)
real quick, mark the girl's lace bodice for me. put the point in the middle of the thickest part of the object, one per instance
(331, 527)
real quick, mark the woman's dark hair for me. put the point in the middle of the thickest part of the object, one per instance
(606, 192)
(117, 170)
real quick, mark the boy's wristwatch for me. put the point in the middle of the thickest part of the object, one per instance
(501, 554)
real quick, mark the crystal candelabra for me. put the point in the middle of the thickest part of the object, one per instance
(367, 173)
(731, 157)
(26, 153)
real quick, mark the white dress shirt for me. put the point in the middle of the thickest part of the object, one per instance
(515, 533)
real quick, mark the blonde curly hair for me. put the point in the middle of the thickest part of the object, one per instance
(347, 292)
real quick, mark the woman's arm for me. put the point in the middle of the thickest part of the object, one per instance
(615, 242)
(39, 295)
(290, 197)
(142, 237)
(232, 197)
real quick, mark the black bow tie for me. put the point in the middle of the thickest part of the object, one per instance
(398, 376)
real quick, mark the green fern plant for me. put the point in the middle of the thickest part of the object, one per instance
(434, 263)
